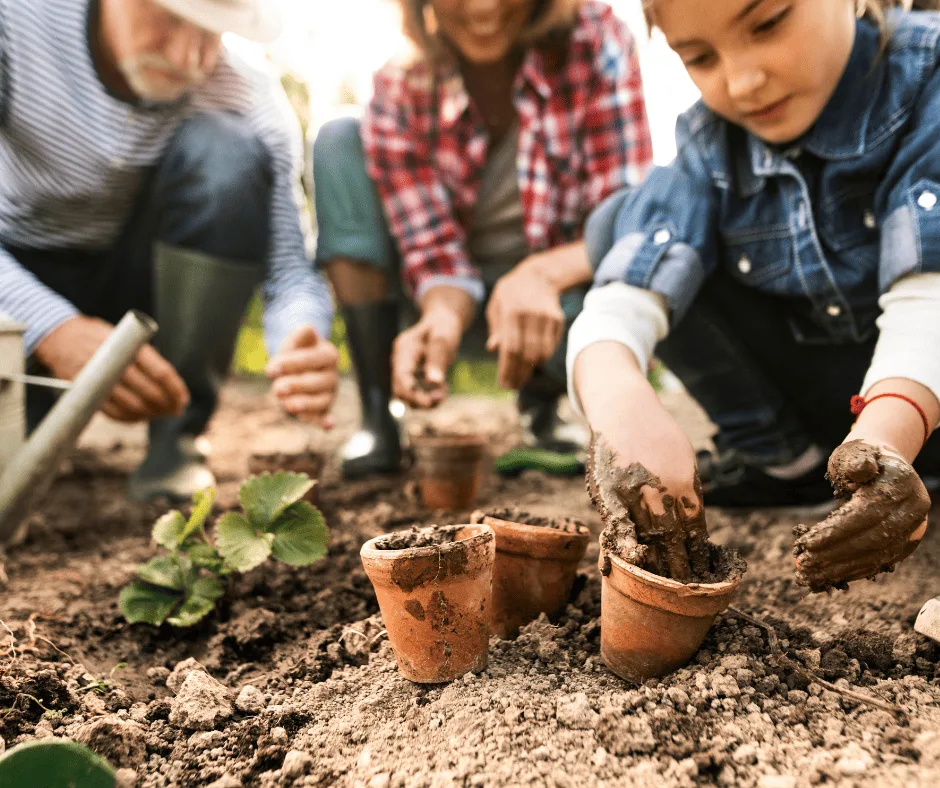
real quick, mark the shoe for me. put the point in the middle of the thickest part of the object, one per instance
(376, 448)
(729, 482)
(200, 301)
(549, 444)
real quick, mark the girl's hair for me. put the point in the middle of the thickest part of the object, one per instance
(872, 9)
(551, 22)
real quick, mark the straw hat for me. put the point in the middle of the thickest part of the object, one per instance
(257, 20)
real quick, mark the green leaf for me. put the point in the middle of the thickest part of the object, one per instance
(202, 506)
(264, 498)
(300, 535)
(205, 556)
(53, 763)
(199, 603)
(165, 572)
(140, 602)
(242, 547)
(168, 530)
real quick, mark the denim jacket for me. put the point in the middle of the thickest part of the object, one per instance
(829, 222)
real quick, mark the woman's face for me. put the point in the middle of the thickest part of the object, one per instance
(770, 66)
(484, 31)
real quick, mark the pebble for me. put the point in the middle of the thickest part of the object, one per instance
(279, 734)
(175, 680)
(381, 780)
(575, 712)
(250, 700)
(600, 757)
(296, 764)
(202, 703)
(125, 778)
(226, 781)
(158, 675)
(138, 713)
(119, 741)
(746, 753)
(776, 781)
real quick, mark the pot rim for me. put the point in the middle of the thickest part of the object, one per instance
(674, 586)
(482, 534)
(582, 531)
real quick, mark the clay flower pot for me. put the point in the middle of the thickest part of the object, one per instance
(450, 470)
(435, 598)
(651, 625)
(534, 571)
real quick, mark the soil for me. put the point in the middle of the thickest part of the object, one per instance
(328, 707)
(419, 537)
(513, 514)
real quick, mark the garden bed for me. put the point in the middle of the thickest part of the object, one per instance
(331, 709)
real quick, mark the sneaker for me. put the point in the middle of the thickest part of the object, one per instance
(729, 482)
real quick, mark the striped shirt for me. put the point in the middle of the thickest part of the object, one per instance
(73, 157)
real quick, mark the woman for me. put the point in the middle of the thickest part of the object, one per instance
(468, 182)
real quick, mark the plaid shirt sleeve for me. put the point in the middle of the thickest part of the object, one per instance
(397, 142)
(617, 145)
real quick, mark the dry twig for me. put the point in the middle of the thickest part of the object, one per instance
(809, 675)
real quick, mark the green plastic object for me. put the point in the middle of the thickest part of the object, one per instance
(524, 459)
(54, 764)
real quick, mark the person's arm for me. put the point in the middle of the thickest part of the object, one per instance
(298, 305)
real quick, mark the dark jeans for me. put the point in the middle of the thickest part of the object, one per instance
(352, 225)
(771, 394)
(210, 193)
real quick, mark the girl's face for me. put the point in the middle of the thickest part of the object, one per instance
(483, 30)
(770, 66)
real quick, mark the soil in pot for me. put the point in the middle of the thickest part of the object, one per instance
(434, 587)
(653, 623)
(450, 469)
(536, 562)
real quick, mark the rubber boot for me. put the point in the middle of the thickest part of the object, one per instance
(370, 332)
(200, 302)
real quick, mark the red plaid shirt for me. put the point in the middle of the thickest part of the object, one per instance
(583, 134)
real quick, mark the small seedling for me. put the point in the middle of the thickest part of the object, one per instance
(183, 586)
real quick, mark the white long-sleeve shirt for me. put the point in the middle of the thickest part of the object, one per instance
(72, 158)
(908, 344)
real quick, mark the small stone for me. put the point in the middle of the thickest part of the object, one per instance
(600, 757)
(279, 734)
(202, 703)
(687, 768)
(43, 729)
(226, 781)
(776, 781)
(381, 780)
(296, 764)
(125, 778)
(121, 742)
(250, 700)
(540, 753)
(158, 675)
(854, 761)
(205, 740)
(746, 753)
(138, 713)
(679, 697)
(182, 670)
(575, 712)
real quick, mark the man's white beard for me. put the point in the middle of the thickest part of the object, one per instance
(135, 71)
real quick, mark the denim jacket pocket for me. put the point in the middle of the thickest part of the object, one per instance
(848, 220)
(758, 255)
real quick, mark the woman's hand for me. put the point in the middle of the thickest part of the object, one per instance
(305, 376)
(526, 323)
(641, 467)
(881, 522)
(423, 354)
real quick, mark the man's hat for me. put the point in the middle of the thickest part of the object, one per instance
(257, 20)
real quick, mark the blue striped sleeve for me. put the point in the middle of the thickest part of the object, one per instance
(28, 301)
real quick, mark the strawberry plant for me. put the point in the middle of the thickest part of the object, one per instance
(183, 586)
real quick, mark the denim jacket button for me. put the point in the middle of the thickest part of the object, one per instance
(662, 237)
(833, 310)
(927, 201)
(744, 264)
(869, 220)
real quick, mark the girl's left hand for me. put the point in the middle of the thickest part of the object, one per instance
(880, 523)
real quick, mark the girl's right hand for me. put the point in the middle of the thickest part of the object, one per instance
(642, 467)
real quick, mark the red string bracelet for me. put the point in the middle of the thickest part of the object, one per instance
(859, 404)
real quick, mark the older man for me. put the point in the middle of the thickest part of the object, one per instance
(143, 166)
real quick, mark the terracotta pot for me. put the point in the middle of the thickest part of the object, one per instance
(307, 462)
(435, 602)
(651, 625)
(534, 571)
(450, 470)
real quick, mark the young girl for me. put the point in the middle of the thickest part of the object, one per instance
(787, 260)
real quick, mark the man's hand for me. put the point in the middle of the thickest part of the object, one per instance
(881, 522)
(422, 356)
(305, 376)
(149, 389)
(526, 324)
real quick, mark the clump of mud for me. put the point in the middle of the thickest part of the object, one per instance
(514, 514)
(416, 536)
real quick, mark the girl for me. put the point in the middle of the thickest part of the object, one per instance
(478, 163)
(787, 260)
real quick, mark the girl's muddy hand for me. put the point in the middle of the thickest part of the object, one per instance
(645, 523)
(881, 522)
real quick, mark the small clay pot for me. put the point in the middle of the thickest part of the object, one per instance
(307, 462)
(436, 601)
(534, 571)
(651, 625)
(450, 470)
